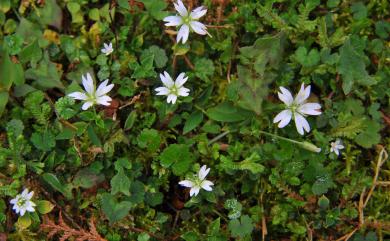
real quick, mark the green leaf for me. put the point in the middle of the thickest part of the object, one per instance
(74, 9)
(44, 206)
(114, 210)
(193, 121)
(227, 112)
(143, 237)
(87, 178)
(64, 107)
(149, 139)
(370, 136)
(160, 57)
(322, 184)
(31, 52)
(213, 228)
(24, 221)
(178, 157)
(10, 73)
(120, 183)
(45, 74)
(43, 141)
(5, 5)
(259, 66)
(130, 120)
(124, 4)
(53, 181)
(3, 101)
(190, 236)
(352, 67)
(307, 59)
(155, 8)
(241, 228)
(204, 68)
(94, 14)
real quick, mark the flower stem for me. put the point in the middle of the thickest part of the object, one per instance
(280, 137)
(218, 137)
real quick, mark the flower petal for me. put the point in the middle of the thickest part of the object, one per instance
(167, 80)
(186, 183)
(162, 91)
(78, 95)
(24, 193)
(194, 191)
(198, 27)
(183, 33)
(180, 80)
(86, 105)
(206, 185)
(310, 109)
(103, 88)
(198, 12)
(173, 21)
(180, 8)
(171, 98)
(30, 195)
(22, 211)
(183, 91)
(303, 94)
(88, 83)
(301, 124)
(284, 117)
(285, 96)
(103, 100)
(203, 171)
(340, 147)
(30, 208)
(15, 200)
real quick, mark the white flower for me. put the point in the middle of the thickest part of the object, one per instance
(173, 89)
(108, 49)
(336, 147)
(22, 202)
(199, 182)
(93, 96)
(187, 21)
(297, 108)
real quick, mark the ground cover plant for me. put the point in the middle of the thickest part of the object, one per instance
(194, 120)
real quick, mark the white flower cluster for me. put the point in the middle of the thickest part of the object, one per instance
(297, 107)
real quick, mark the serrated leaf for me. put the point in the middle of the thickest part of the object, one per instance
(178, 157)
(114, 210)
(120, 183)
(352, 67)
(242, 227)
(87, 178)
(149, 139)
(43, 141)
(370, 136)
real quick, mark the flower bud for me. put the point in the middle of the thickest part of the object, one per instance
(310, 147)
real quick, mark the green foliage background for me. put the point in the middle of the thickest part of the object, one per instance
(121, 165)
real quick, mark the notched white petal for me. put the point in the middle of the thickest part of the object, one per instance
(198, 12)
(183, 33)
(173, 21)
(180, 8)
(198, 27)
(186, 183)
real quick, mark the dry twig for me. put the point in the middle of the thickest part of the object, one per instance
(67, 232)
(363, 200)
